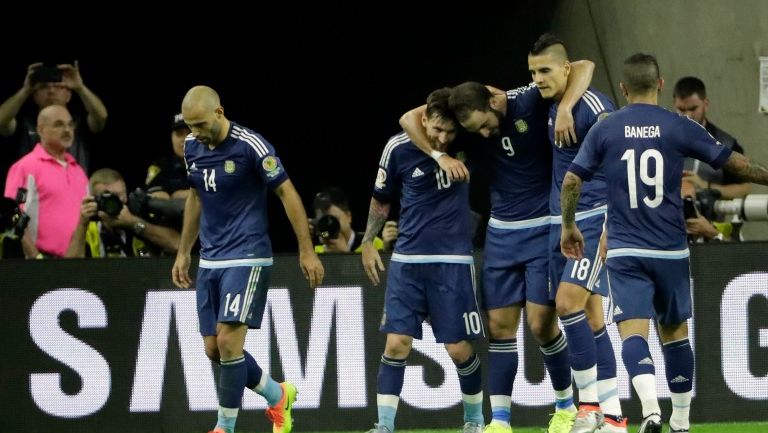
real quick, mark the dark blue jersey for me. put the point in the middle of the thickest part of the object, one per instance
(641, 150)
(434, 212)
(587, 111)
(520, 158)
(232, 181)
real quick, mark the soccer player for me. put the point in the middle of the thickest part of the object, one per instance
(641, 150)
(230, 168)
(520, 161)
(580, 285)
(431, 274)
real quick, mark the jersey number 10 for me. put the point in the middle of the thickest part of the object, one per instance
(656, 181)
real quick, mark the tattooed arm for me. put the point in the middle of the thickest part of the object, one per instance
(746, 169)
(377, 216)
(571, 240)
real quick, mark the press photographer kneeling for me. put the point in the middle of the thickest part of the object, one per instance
(108, 228)
(332, 225)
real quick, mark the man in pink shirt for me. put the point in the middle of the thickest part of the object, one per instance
(55, 185)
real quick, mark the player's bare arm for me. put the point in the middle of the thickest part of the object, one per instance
(189, 232)
(377, 217)
(571, 240)
(411, 124)
(308, 261)
(746, 169)
(578, 83)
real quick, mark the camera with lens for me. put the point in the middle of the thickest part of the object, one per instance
(327, 227)
(753, 207)
(165, 212)
(109, 203)
(13, 221)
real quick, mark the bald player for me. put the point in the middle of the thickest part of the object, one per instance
(229, 168)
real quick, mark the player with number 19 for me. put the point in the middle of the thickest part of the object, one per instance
(641, 150)
(431, 274)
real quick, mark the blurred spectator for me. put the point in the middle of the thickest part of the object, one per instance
(55, 185)
(107, 228)
(333, 224)
(690, 99)
(52, 85)
(167, 177)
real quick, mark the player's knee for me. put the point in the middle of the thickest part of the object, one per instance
(596, 321)
(398, 347)
(501, 329)
(225, 343)
(459, 352)
(542, 329)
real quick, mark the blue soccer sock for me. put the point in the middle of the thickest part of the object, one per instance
(678, 359)
(502, 369)
(639, 364)
(388, 388)
(607, 389)
(471, 383)
(583, 355)
(231, 385)
(556, 359)
(261, 383)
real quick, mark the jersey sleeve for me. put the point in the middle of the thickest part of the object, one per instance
(14, 180)
(266, 161)
(698, 143)
(589, 158)
(385, 187)
(525, 96)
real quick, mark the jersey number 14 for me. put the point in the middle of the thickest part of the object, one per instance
(656, 181)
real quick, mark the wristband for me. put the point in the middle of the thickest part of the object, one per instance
(436, 154)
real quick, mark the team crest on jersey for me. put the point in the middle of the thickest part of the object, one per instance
(603, 115)
(269, 164)
(381, 178)
(521, 126)
(229, 167)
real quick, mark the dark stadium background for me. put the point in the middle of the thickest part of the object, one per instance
(325, 83)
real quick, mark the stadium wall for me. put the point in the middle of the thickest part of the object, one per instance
(109, 345)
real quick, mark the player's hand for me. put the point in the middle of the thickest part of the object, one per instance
(372, 259)
(565, 131)
(456, 170)
(180, 271)
(312, 268)
(572, 242)
(603, 249)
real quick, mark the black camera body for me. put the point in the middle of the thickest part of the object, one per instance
(165, 212)
(327, 227)
(46, 74)
(109, 203)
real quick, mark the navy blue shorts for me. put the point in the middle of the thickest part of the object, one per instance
(588, 272)
(231, 295)
(645, 287)
(443, 293)
(515, 265)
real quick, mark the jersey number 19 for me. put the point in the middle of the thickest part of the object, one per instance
(656, 181)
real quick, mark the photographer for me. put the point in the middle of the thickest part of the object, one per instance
(167, 176)
(107, 228)
(333, 224)
(49, 85)
(698, 227)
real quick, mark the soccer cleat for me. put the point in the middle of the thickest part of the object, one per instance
(217, 430)
(473, 427)
(588, 419)
(610, 425)
(497, 427)
(280, 414)
(671, 430)
(561, 421)
(379, 428)
(650, 424)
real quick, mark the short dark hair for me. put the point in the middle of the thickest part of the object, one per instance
(330, 196)
(546, 41)
(437, 104)
(687, 86)
(468, 97)
(641, 73)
